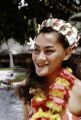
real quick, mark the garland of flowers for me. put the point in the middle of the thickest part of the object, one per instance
(63, 27)
(51, 107)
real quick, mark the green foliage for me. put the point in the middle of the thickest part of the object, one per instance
(21, 23)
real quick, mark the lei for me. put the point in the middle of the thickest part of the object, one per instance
(51, 107)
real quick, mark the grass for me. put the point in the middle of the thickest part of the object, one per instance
(20, 74)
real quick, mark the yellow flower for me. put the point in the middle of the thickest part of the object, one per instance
(41, 114)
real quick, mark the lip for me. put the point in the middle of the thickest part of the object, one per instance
(41, 65)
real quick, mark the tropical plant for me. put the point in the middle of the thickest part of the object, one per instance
(19, 18)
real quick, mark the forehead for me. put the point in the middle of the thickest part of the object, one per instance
(44, 39)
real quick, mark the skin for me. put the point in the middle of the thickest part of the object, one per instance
(74, 104)
(48, 55)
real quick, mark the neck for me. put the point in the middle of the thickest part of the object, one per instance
(51, 78)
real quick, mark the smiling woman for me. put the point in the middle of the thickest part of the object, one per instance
(48, 52)
(45, 94)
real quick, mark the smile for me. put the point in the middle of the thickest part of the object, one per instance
(41, 65)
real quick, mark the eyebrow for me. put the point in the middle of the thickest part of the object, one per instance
(49, 46)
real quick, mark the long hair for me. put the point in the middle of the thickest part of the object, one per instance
(33, 81)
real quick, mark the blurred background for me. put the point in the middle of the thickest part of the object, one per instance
(19, 20)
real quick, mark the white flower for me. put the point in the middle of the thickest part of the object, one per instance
(64, 28)
(31, 43)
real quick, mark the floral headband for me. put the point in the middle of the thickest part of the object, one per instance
(61, 26)
(66, 29)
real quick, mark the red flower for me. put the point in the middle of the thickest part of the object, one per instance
(38, 102)
(43, 118)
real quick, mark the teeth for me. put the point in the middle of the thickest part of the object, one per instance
(40, 65)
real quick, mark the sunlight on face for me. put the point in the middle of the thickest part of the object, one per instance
(48, 54)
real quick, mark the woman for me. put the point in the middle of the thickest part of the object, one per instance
(46, 91)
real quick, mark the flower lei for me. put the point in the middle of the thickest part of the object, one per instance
(51, 107)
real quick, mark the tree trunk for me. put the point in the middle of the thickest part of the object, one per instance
(11, 60)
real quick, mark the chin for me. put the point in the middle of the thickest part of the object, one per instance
(41, 74)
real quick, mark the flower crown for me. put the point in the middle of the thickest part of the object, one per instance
(61, 26)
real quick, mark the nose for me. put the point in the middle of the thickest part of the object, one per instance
(41, 57)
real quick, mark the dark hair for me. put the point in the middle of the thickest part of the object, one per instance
(74, 62)
(61, 37)
(34, 81)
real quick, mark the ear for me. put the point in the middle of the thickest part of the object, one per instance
(68, 52)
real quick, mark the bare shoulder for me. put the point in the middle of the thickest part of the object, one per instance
(74, 103)
(77, 87)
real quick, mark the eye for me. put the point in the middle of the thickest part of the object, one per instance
(36, 50)
(49, 52)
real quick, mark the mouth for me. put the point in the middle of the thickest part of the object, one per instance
(41, 65)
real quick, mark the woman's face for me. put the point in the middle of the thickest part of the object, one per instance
(48, 54)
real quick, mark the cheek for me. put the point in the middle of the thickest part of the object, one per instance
(33, 56)
(58, 58)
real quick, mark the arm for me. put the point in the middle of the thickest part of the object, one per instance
(74, 104)
(26, 108)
